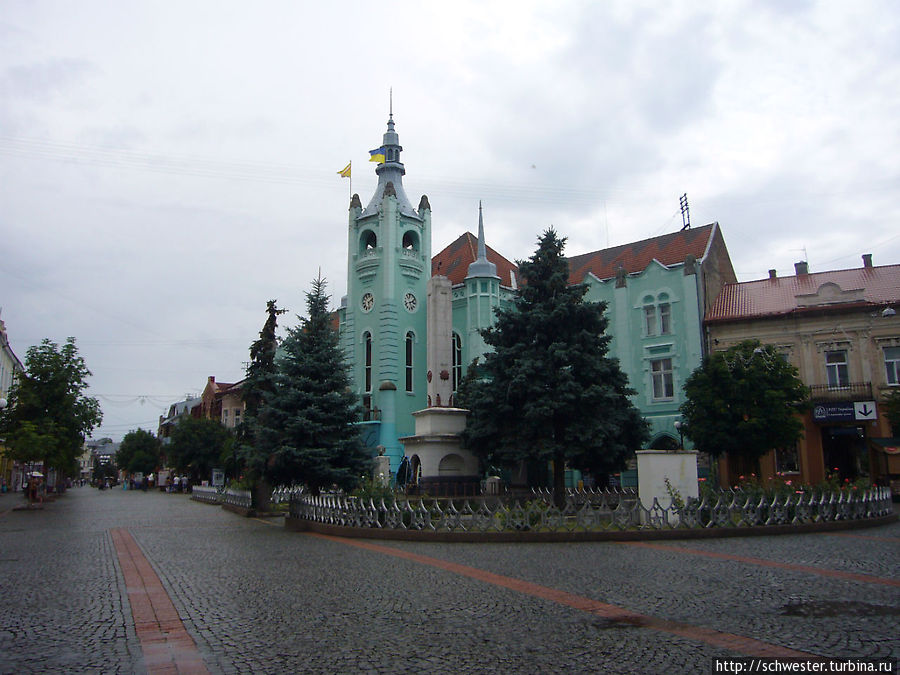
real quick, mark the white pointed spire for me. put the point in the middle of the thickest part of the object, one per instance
(482, 267)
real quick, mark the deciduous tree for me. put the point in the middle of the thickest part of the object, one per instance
(744, 401)
(138, 452)
(49, 415)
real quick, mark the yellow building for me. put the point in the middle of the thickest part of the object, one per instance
(9, 367)
(841, 330)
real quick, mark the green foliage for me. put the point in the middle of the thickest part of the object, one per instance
(304, 431)
(49, 416)
(375, 489)
(101, 471)
(138, 452)
(197, 447)
(891, 407)
(744, 402)
(548, 391)
(259, 381)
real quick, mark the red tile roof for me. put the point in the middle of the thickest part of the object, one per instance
(453, 262)
(669, 249)
(874, 286)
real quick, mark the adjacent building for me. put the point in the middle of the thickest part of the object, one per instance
(841, 330)
(10, 366)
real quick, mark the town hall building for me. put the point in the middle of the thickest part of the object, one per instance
(657, 292)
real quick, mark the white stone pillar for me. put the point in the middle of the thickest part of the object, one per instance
(655, 466)
(440, 349)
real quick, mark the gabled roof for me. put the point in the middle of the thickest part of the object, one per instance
(453, 262)
(853, 288)
(668, 249)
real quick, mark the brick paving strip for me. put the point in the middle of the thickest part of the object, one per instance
(716, 638)
(166, 644)
(821, 571)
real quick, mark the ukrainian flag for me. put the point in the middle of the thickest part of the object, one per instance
(377, 155)
(345, 172)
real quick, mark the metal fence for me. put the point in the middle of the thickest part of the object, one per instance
(589, 510)
(211, 495)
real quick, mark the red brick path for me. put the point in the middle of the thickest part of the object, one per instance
(166, 644)
(736, 643)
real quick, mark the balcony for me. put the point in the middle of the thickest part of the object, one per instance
(854, 391)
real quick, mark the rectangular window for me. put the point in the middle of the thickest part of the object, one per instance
(409, 362)
(836, 368)
(650, 320)
(665, 319)
(663, 383)
(786, 460)
(892, 365)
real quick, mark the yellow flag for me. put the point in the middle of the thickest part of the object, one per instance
(345, 172)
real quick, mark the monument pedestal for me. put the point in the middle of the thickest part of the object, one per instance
(655, 467)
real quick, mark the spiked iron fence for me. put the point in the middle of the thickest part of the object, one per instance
(591, 511)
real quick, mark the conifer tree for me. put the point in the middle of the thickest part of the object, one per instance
(259, 380)
(548, 391)
(305, 425)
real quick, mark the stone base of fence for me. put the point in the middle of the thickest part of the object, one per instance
(527, 536)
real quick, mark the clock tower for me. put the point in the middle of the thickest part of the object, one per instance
(383, 317)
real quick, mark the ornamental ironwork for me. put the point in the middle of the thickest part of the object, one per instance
(590, 511)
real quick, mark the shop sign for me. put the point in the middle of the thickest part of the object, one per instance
(843, 411)
(864, 410)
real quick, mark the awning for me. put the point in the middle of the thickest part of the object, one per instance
(889, 446)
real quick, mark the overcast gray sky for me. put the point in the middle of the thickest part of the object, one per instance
(168, 167)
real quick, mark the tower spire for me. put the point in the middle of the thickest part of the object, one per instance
(482, 267)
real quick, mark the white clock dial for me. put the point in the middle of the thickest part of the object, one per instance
(410, 302)
(368, 301)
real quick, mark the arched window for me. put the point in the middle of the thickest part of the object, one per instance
(367, 384)
(410, 339)
(410, 241)
(657, 315)
(367, 241)
(457, 361)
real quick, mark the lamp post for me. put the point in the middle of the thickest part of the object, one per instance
(679, 427)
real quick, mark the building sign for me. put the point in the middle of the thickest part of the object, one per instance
(864, 410)
(842, 411)
(845, 411)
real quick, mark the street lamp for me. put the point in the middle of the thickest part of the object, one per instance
(679, 427)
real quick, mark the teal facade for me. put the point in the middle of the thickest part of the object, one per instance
(655, 325)
(383, 316)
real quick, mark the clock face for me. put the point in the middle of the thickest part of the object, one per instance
(368, 301)
(410, 302)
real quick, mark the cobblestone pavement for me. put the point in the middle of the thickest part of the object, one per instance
(258, 599)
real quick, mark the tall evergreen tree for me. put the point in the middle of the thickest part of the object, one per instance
(548, 391)
(305, 426)
(744, 402)
(49, 414)
(259, 380)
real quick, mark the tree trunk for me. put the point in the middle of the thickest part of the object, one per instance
(559, 481)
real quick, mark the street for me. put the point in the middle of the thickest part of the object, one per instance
(118, 581)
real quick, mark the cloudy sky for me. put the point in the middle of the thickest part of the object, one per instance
(167, 168)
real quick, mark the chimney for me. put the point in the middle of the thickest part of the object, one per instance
(801, 267)
(867, 259)
(773, 274)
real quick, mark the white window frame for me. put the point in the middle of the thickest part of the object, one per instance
(892, 365)
(837, 373)
(662, 379)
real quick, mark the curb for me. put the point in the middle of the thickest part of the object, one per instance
(300, 525)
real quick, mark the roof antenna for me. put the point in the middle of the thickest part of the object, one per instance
(685, 212)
